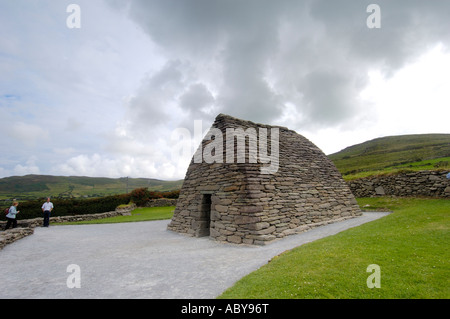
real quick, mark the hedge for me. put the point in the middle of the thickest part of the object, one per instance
(76, 206)
(66, 207)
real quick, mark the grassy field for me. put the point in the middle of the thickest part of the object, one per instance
(435, 164)
(392, 154)
(137, 215)
(410, 246)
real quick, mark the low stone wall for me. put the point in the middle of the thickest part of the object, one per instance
(125, 210)
(36, 222)
(421, 183)
(11, 235)
(26, 227)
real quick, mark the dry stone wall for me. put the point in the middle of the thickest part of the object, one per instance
(11, 235)
(421, 183)
(234, 202)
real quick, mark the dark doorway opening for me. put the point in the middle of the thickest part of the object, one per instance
(205, 216)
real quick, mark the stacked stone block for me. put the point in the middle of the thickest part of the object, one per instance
(234, 202)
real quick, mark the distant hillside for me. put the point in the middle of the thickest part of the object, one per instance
(35, 186)
(394, 153)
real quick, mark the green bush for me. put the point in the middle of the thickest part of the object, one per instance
(172, 194)
(140, 196)
(65, 207)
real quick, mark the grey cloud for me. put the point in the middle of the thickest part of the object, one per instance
(246, 92)
(407, 28)
(169, 76)
(198, 25)
(150, 105)
(197, 100)
(238, 34)
(314, 55)
(325, 88)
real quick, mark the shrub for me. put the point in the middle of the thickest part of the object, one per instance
(64, 207)
(155, 195)
(172, 194)
(140, 196)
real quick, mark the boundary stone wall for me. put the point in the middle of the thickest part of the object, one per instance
(420, 183)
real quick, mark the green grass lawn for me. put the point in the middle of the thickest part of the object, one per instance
(411, 247)
(435, 164)
(137, 215)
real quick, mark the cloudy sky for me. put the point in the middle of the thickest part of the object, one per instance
(106, 99)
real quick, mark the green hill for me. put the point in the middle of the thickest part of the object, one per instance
(394, 153)
(37, 186)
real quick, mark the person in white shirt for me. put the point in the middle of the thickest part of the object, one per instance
(47, 208)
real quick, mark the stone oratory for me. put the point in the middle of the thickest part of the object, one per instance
(252, 183)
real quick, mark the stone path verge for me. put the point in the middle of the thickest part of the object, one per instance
(137, 260)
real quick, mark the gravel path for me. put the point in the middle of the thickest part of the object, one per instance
(137, 260)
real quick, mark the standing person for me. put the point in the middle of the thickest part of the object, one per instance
(11, 216)
(47, 208)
